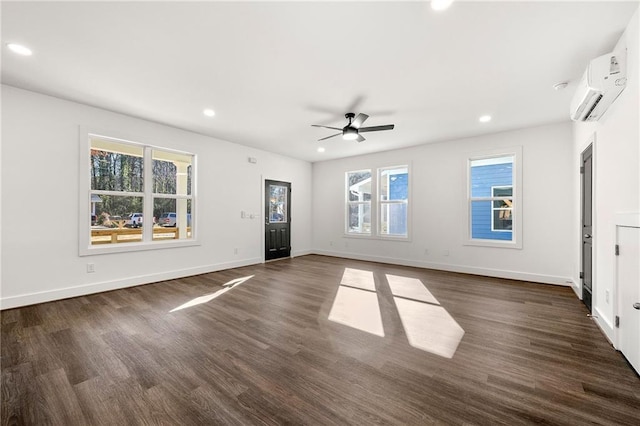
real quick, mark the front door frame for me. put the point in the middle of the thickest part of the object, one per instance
(265, 218)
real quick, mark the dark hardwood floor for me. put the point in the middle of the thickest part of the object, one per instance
(265, 352)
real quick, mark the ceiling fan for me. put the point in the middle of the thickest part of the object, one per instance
(352, 130)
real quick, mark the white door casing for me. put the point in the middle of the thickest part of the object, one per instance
(628, 285)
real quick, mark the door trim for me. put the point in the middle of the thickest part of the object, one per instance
(627, 220)
(589, 147)
(265, 219)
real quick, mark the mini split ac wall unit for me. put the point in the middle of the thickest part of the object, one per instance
(602, 82)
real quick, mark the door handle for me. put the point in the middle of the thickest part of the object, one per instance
(587, 235)
(636, 306)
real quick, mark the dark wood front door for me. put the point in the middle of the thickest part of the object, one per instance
(277, 228)
(586, 172)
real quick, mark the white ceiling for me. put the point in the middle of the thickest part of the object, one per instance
(271, 69)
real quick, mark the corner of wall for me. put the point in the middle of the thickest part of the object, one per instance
(577, 289)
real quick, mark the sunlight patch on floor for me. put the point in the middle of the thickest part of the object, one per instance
(428, 325)
(209, 297)
(410, 288)
(356, 303)
(358, 278)
(357, 309)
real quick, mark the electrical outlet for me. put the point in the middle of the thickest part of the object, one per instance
(606, 296)
(91, 268)
(426, 251)
(445, 252)
(235, 251)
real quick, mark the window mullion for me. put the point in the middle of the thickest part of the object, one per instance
(375, 199)
(117, 193)
(491, 198)
(147, 201)
(172, 196)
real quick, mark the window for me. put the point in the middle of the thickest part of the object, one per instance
(138, 195)
(493, 199)
(359, 202)
(389, 191)
(393, 199)
(172, 182)
(278, 203)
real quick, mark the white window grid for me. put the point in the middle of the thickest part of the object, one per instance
(147, 243)
(503, 209)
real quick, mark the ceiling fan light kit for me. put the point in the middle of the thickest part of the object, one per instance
(350, 134)
(352, 130)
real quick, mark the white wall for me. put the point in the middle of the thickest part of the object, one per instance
(40, 163)
(438, 203)
(616, 162)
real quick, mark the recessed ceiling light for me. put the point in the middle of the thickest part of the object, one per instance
(560, 86)
(320, 149)
(19, 49)
(209, 112)
(485, 119)
(440, 4)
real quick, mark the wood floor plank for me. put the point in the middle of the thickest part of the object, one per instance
(265, 352)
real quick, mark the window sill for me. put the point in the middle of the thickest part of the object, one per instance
(377, 237)
(494, 243)
(133, 247)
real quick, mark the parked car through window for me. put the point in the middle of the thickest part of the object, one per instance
(169, 219)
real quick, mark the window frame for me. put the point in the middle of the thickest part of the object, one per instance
(375, 204)
(517, 210)
(85, 248)
(349, 203)
(380, 203)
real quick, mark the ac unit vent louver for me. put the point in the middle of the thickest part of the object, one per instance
(595, 104)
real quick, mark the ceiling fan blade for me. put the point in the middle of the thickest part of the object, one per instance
(337, 134)
(357, 122)
(376, 128)
(326, 127)
(360, 138)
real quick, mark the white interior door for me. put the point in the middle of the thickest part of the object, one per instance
(629, 294)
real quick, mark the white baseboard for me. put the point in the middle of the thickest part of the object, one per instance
(83, 290)
(576, 289)
(497, 273)
(604, 324)
(296, 253)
